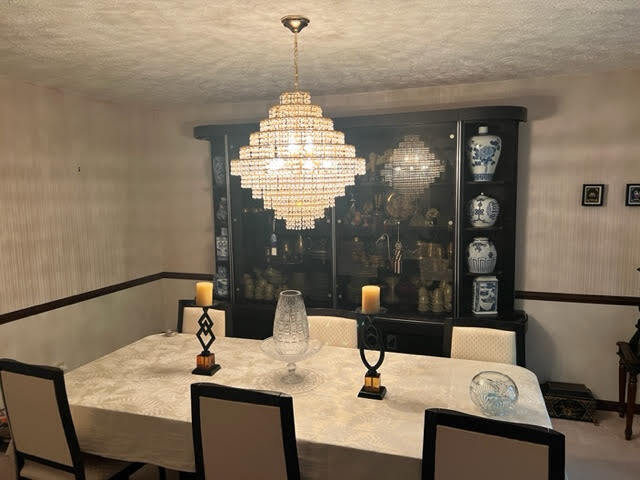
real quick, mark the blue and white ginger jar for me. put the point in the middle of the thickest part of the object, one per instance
(485, 295)
(481, 255)
(483, 211)
(484, 152)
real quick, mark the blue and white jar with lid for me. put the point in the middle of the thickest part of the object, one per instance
(483, 211)
(481, 255)
(484, 152)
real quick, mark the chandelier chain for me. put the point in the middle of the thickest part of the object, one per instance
(297, 163)
(296, 84)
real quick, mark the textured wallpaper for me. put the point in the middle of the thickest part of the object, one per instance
(93, 193)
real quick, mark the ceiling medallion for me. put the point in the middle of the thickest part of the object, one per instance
(297, 163)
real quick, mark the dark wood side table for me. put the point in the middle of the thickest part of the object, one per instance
(629, 368)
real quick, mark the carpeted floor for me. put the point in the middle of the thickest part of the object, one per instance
(600, 452)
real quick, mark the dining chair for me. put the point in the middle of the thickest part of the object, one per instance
(484, 344)
(243, 434)
(334, 327)
(44, 438)
(490, 449)
(189, 313)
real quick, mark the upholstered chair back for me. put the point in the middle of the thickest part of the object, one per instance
(190, 316)
(484, 344)
(492, 449)
(38, 412)
(335, 331)
(243, 433)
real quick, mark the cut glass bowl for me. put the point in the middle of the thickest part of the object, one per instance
(494, 392)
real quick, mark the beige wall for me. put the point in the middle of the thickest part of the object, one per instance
(140, 204)
(93, 194)
(574, 342)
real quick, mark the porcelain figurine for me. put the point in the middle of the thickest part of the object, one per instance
(485, 296)
(483, 211)
(484, 152)
(481, 255)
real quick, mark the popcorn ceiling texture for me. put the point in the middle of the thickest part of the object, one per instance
(167, 52)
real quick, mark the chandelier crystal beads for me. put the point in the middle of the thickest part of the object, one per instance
(297, 163)
(413, 167)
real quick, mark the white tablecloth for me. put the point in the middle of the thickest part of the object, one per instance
(134, 404)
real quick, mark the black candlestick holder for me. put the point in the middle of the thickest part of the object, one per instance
(370, 338)
(206, 361)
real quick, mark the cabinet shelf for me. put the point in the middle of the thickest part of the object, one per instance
(495, 228)
(495, 273)
(492, 182)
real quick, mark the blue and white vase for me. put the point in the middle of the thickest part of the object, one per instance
(483, 211)
(485, 296)
(484, 152)
(481, 255)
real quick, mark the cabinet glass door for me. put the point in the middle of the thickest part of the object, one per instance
(395, 226)
(269, 258)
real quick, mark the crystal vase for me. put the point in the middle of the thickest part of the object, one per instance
(290, 325)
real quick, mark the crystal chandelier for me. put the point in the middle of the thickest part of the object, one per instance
(413, 167)
(297, 163)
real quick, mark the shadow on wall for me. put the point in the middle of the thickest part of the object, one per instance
(538, 108)
(541, 354)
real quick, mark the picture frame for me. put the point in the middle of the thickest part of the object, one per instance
(592, 194)
(632, 195)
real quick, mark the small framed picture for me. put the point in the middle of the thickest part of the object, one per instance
(632, 198)
(592, 194)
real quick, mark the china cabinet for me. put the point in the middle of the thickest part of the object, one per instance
(419, 223)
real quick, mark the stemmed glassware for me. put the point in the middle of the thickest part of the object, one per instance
(290, 341)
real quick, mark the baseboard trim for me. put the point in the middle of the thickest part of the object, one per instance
(610, 406)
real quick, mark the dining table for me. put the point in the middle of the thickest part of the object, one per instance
(134, 404)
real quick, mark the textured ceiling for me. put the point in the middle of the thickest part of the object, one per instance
(196, 51)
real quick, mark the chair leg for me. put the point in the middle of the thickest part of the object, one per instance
(631, 402)
(622, 386)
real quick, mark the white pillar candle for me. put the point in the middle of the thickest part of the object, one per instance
(204, 294)
(370, 299)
